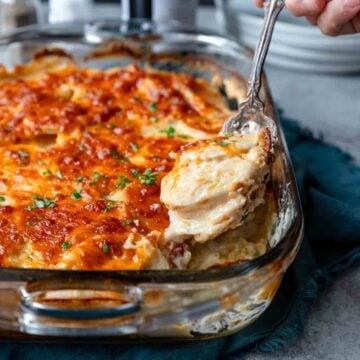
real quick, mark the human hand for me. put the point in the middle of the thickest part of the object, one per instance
(334, 17)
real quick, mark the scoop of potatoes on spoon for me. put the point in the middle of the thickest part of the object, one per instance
(250, 116)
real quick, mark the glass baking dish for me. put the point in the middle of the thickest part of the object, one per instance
(178, 304)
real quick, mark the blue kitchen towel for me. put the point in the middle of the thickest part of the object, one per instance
(329, 184)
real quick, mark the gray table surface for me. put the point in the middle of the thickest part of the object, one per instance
(330, 107)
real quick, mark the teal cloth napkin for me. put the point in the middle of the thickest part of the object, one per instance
(329, 184)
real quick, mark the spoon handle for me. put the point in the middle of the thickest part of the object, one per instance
(272, 10)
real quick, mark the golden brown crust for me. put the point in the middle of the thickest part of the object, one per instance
(79, 173)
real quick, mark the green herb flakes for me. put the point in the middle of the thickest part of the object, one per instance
(170, 132)
(109, 207)
(65, 245)
(220, 142)
(59, 175)
(79, 179)
(134, 146)
(41, 203)
(76, 195)
(124, 158)
(153, 106)
(114, 154)
(135, 173)
(127, 222)
(47, 172)
(105, 248)
(96, 177)
(153, 119)
(147, 178)
(23, 154)
(123, 182)
(31, 223)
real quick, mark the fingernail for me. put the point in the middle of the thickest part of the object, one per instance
(352, 3)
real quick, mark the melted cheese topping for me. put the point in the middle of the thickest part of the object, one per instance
(82, 156)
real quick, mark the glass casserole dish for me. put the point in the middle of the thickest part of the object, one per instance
(180, 304)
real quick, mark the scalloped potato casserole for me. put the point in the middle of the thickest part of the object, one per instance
(123, 169)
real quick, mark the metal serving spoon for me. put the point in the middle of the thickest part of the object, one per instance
(250, 116)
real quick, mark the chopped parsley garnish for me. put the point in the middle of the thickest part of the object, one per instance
(124, 158)
(47, 172)
(153, 106)
(76, 195)
(170, 132)
(223, 143)
(123, 182)
(82, 146)
(220, 142)
(65, 245)
(134, 146)
(79, 179)
(96, 177)
(111, 126)
(153, 119)
(2, 198)
(105, 248)
(109, 207)
(23, 154)
(31, 223)
(147, 178)
(41, 203)
(135, 173)
(59, 175)
(127, 222)
(114, 154)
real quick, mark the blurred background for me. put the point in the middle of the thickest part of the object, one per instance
(296, 44)
(302, 64)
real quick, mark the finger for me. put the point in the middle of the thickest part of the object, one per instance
(312, 19)
(259, 3)
(306, 7)
(351, 27)
(355, 22)
(337, 14)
